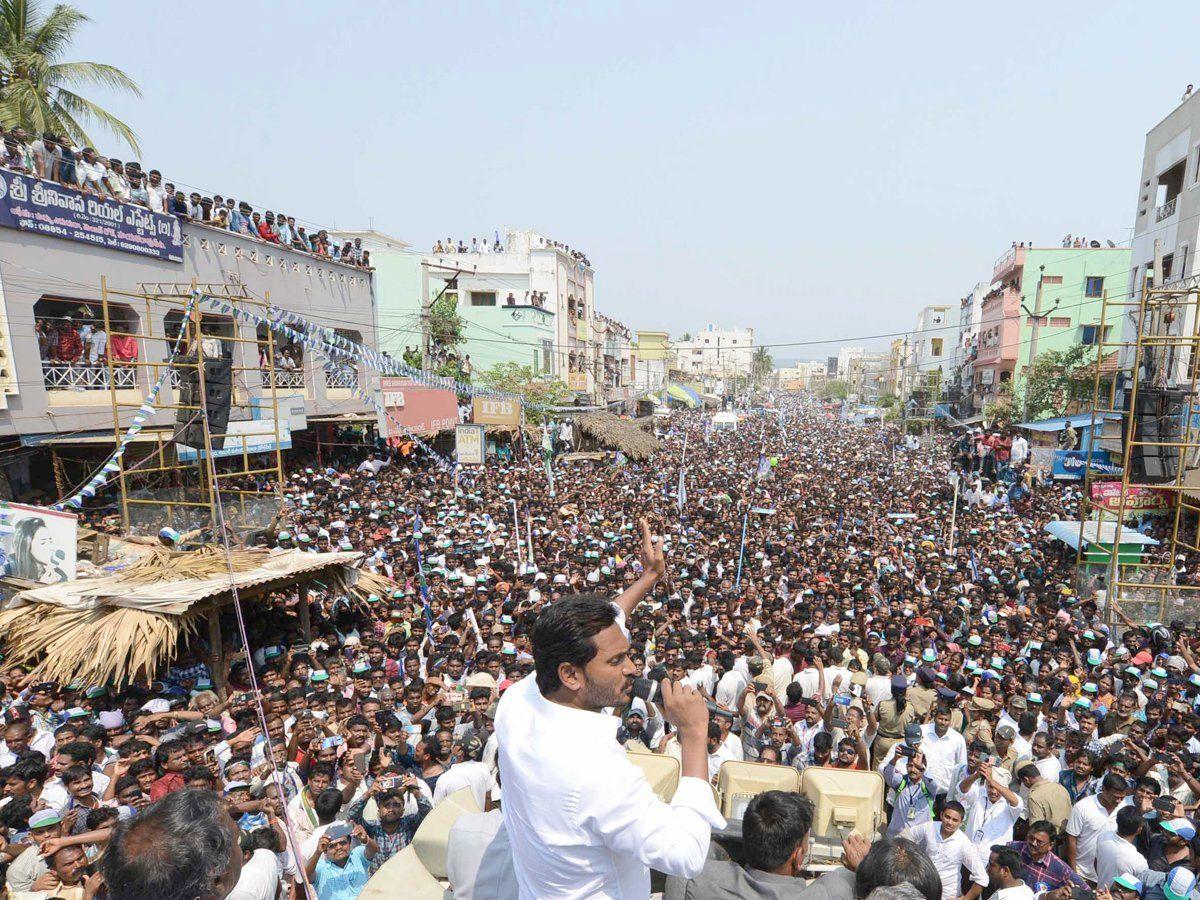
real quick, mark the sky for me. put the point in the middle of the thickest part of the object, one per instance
(818, 172)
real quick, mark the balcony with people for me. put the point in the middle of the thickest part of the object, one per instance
(80, 356)
(58, 159)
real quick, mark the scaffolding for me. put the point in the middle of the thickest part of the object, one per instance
(1145, 414)
(178, 488)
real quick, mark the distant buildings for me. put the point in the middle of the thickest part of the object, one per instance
(717, 354)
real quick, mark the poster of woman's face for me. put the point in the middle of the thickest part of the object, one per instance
(38, 544)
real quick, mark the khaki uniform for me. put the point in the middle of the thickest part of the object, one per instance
(922, 699)
(980, 730)
(891, 728)
(1049, 800)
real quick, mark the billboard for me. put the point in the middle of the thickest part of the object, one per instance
(486, 411)
(1107, 496)
(1068, 465)
(469, 444)
(38, 544)
(416, 407)
(245, 435)
(33, 204)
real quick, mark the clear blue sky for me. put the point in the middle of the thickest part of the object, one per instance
(812, 170)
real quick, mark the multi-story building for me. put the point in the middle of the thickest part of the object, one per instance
(617, 361)
(970, 313)
(803, 376)
(653, 361)
(1017, 325)
(717, 353)
(867, 376)
(845, 354)
(934, 345)
(52, 282)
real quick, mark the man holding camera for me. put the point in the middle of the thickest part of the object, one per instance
(582, 819)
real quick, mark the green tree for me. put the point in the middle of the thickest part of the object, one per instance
(834, 389)
(762, 364)
(1058, 381)
(38, 89)
(686, 336)
(1000, 411)
(514, 378)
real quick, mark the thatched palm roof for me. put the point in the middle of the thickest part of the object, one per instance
(113, 629)
(615, 433)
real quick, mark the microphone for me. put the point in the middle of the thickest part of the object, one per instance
(650, 690)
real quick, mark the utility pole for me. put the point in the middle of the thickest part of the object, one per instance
(427, 305)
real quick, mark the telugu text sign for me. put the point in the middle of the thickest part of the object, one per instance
(1107, 496)
(37, 205)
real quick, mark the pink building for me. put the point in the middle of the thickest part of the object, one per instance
(1000, 326)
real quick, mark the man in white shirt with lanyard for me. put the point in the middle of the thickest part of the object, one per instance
(582, 819)
(992, 807)
(951, 852)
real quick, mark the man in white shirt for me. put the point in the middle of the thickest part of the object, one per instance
(1091, 817)
(992, 807)
(260, 876)
(1115, 852)
(581, 817)
(1004, 871)
(479, 859)
(951, 851)
(944, 749)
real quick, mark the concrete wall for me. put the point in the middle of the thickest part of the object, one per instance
(34, 266)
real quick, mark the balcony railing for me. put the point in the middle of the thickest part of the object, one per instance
(68, 377)
(283, 378)
(340, 379)
(1167, 209)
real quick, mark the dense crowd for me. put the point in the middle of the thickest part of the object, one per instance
(1028, 745)
(58, 158)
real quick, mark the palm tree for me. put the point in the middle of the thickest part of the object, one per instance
(762, 364)
(37, 87)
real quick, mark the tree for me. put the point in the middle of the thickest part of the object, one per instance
(762, 365)
(685, 337)
(1000, 411)
(514, 378)
(834, 389)
(1058, 380)
(38, 89)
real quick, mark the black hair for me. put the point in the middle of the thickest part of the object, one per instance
(954, 806)
(1129, 821)
(327, 805)
(564, 633)
(774, 825)
(28, 770)
(1008, 858)
(894, 860)
(79, 751)
(1041, 826)
(1114, 782)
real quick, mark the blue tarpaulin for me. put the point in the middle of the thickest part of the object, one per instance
(1083, 420)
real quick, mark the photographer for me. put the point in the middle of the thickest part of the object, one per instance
(582, 819)
(394, 831)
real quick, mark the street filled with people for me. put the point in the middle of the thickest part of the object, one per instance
(818, 581)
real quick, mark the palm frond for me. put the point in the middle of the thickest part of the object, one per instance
(54, 34)
(70, 103)
(65, 74)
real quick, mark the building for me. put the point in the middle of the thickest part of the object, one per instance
(1016, 327)
(934, 343)
(653, 361)
(803, 376)
(845, 354)
(970, 313)
(48, 281)
(866, 376)
(717, 354)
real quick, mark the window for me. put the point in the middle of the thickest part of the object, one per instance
(1060, 321)
(935, 346)
(1089, 335)
(1093, 286)
(483, 298)
(1051, 279)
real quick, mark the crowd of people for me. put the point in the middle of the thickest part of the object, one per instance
(1030, 747)
(58, 158)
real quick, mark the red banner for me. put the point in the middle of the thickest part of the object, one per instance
(1107, 496)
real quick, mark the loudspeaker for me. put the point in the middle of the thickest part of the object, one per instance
(1156, 421)
(218, 392)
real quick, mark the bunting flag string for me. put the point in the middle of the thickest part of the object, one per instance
(113, 463)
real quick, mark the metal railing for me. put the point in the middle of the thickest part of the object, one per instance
(1167, 209)
(81, 377)
(340, 379)
(283, 378)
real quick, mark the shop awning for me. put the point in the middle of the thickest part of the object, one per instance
(1083, 420)
(1067, 531)
(684, 395)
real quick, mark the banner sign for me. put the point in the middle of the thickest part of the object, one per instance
(245, 435)
(469, 444)
(488, 411)
(37, 544)
(1068, 465)
(1107, 496)
(34, 204)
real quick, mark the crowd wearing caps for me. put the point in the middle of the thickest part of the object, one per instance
(840, 635)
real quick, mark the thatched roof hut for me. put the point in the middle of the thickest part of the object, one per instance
(124, 626)
(603, 429)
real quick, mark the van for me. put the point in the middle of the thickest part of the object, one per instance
(725, 421)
